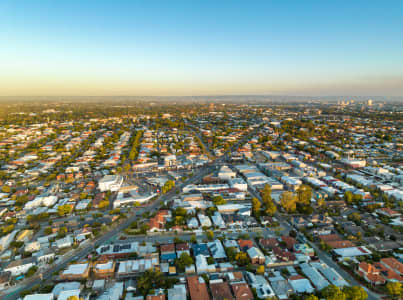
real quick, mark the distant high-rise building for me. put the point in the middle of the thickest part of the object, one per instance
(369, 102)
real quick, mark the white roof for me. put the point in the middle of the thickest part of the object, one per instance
(301, 285)
(352, 251)
(316, 278)
(39, 297)
(65, 286)
(255, 252)
(66, 294)
(330, 274)
(104, 266)
(217, 249)
(76, 269)
(109, 178)
(178, 292)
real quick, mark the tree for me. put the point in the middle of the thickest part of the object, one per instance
(260, 270)
(321, 202)
(148, 280)
(355, 293)
(127, 167)
(231, 253)
(355, 217)
(348, 197)
(357, 198)
(103, 204)
(242, 258)
(7, 229)
(288, 202)
(184, 260)
(210, 235)
(219, 200)
(31, 271)
(62, 232)
(6, 189)
(304, 194)
(266, 194)
(169, 184)
(48, 230)
(332, 292)
(74, 298)
(311, 297)
(271, 208)
(394, 289)
(256, 206)
(63, 210)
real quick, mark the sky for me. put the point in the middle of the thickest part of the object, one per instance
(165, 48)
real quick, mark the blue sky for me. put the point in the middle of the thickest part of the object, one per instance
(201, 47)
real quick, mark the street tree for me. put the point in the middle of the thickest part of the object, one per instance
(288, 202)
(332, 292)
(394, 289)
(355, 293)
(63, 210)
(210, 235)
(256, 206)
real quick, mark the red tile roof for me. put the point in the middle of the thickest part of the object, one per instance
(168, 248)
(242, 291)
(393, 264)
(340, 244)
(245, 244)
(330, 237)
(221, 291)
(197, 288)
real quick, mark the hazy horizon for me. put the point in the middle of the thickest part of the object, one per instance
(208, 98)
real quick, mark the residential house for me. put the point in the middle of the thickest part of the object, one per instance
(104, 269)
(76, 272)
(244, 245)
(182, 248)
(220, 290)
(261, 286)
(289, 242)
(370, 273)
(268, 243)
(157, 223)
(217, 250)
(393, 264)
(300, 285)
(156, 297)
(197, 288)
(242, 291)
(256, 256)
(177, 292)
(21, 266)
(168, 252)
(5, 278)
(198, 249)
